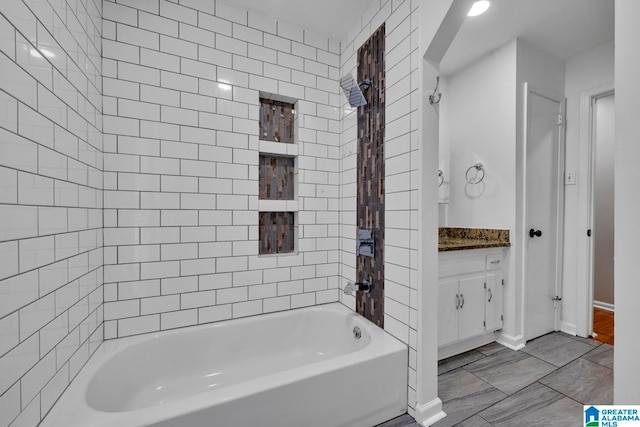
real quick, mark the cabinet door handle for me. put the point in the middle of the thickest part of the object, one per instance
(495, 261)
(457, 301)
(462, 300)
(490, 294)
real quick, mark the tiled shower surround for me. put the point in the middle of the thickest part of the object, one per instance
(165, 204)
(401, 169)
(182, 89)
(50, 200)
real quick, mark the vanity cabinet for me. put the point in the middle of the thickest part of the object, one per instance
(470, 288)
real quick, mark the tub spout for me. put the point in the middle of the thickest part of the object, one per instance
(351, 287)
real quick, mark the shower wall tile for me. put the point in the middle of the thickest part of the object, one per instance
(400, 176)
(51, 194)
(182, 89)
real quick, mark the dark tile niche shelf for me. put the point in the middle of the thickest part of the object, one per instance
(277, 232)
(276, 177)
(276, 121)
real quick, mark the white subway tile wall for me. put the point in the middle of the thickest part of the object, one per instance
(51, 162)
(401, 168)
(182, 82)
(172, 184)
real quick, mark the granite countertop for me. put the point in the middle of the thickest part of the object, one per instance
(456, 238)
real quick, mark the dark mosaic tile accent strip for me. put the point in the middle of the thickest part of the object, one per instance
(276, 177)
(370, 204)
(276, 232)
(456, 238)
(276, 121)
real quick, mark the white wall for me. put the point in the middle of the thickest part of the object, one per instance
(480, 112)
(50, 201)
(591, 70)
(483, 115)
(401, 165)
(182, 85)
(478, 117)
(626, 375)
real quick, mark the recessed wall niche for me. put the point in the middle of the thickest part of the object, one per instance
(276, 177)
(277, 232)
(277, 121)
(277, 192)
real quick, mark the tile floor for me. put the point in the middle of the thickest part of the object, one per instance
(546, 383)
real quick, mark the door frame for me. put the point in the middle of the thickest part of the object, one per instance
(528, 90)
(584, 288)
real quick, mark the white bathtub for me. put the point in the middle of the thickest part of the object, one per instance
(297, 368)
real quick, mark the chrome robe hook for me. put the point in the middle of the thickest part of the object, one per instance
(432, 98)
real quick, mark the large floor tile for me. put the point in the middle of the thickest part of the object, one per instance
(405, 420)
(584, 381)
(463, 395)
(535, 405)
(475, 421)
(544, 342)
(491, 348)
(510, 372)
(496, 359)
(602, 355)
(455, 362)
(557, 349)
(589, 341)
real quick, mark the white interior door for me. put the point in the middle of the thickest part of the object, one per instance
(544, 170)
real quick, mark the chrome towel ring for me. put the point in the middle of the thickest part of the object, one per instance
(479, 171)
(440, 178)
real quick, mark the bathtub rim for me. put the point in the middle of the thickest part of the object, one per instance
(385, 344)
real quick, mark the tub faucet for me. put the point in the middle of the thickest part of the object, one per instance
(351, 287)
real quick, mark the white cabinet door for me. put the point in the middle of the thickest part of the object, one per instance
(471, 307)
(493, 301)
(447, 312)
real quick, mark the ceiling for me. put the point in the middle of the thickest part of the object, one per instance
(563, 28)
(333, 18)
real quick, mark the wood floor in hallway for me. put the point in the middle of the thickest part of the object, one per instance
(603, 325)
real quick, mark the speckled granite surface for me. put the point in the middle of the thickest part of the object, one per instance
(458, 238)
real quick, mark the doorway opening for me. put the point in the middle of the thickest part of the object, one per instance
(601, 212)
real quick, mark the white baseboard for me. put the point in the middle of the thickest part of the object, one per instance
(604, 305)
(429, 413)
(514, 343)
(569, 328)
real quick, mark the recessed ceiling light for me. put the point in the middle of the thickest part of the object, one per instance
(479, 7)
